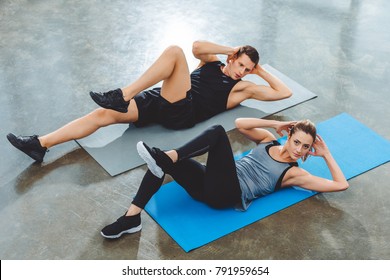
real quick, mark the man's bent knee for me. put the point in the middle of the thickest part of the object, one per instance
(103, 117)
(175, 50)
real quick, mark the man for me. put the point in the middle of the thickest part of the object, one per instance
(183, 100)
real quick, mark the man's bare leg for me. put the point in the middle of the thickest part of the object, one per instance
(36, 147)
(171, 68)
(88, 124)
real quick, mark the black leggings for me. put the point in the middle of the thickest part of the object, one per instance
(215, 183)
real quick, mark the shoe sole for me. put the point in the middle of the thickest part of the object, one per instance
(147, 157)
(13, 140)
(132, 230)
(107, 107)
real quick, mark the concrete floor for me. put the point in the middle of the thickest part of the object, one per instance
(52, 53)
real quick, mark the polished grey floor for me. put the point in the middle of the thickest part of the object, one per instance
(52, 53)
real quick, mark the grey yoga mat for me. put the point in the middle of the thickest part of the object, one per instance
(114, 147)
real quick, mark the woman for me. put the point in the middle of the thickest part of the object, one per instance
(224, 182)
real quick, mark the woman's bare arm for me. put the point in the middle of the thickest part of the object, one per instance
(254, 129)
(302, 178)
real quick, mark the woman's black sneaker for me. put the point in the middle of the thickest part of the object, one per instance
(29, 145)
(112, 99)
(158, 162)
(125, 224)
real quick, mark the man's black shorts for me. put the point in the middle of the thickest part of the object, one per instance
(153, 108)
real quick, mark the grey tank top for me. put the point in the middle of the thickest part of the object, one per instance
(259, 174)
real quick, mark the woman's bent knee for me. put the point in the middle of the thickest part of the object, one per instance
(217, 129)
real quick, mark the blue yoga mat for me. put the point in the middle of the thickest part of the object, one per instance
(193, 224)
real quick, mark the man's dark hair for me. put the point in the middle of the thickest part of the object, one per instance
(251, 52)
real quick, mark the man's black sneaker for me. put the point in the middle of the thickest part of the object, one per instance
(29, 145)
(125, 224)
(158, 162)
(112, 99)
